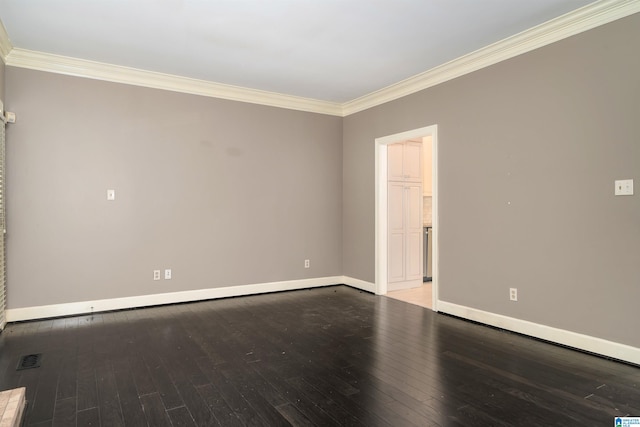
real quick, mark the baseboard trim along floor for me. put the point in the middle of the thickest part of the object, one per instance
(83, 307)
(572, 339)
(560, 336)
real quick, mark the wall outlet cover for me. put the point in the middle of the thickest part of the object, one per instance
(624, 187)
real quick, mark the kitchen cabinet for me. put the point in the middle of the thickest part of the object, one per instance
(404, 216)
(427, 166)
(404, 160)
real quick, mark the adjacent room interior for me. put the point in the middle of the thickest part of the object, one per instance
(410, 247)
(130, 187)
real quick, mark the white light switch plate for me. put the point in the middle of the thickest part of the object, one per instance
(624, 187)
(111, 194)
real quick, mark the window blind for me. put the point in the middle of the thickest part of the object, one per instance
(3, 228)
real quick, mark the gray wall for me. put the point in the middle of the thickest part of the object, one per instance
(548, 131)
(224, 193)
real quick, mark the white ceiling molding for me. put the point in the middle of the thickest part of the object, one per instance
(572, 23)
(565, 26)
(5, 43)
(118, 74)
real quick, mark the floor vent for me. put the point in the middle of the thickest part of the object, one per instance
(29, 361)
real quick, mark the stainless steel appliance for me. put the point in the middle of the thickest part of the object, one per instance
(426, 268)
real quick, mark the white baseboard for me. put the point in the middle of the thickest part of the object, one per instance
(359, 284)
(560, 336)
(82, 307)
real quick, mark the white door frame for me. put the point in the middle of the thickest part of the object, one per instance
(381, 206)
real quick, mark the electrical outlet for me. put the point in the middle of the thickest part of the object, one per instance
(306, 263)
(513, 294)
(156, 274)
(167, 274)
(624, 187)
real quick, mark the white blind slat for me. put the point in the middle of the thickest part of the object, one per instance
(3, 230)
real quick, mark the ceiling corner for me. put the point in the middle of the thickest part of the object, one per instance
(570, 24)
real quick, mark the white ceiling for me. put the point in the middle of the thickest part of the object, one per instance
(328, 50)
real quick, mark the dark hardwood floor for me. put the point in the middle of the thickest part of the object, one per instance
(321, 357)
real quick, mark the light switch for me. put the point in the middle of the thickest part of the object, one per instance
(111, 194)
(624, 187)
(10, 117)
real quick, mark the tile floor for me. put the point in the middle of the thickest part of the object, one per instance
(419, 296)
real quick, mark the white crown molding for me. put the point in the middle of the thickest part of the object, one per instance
(565, 26)
(115, 73)
(5, 43)
(572, 23)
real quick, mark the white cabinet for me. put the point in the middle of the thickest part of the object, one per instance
(404, 161)
(427, 166)
(404, 216)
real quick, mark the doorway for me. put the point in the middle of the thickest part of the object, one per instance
(381, 207)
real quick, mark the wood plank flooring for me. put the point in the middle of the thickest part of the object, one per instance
(320, 357)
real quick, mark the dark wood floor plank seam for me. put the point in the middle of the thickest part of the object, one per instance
(559, 393)
(162, 381)
(130, 405)
(303, 404)
(154, 411)
(109, 402)
(221, 411)
(64, 413)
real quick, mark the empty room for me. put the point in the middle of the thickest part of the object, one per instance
(315, 213)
